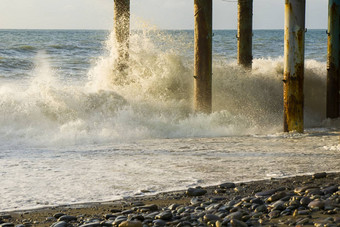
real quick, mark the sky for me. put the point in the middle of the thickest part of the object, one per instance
(163, 14)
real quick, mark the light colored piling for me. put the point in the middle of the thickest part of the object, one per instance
(122, 32)
(245, 33)
(203, 56)
(294, 45)
(333, 61)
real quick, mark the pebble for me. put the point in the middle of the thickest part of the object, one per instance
(60, 224)
(7, 225)
(5, 216)
(277, 196)
(316, 204)
(238, 223)
(58, 215)
(131, 224)
(166, 215)
(211, 217)
(227, 185)
(319, 175)
(94, 224)
(67, 218)
(196, 192)
(265, 193)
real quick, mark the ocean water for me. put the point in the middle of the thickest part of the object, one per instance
(73, 129)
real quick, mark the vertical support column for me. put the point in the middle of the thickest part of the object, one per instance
(294, 48)
(333, 60)
(245, 33)
(203, 56)
(122, 32)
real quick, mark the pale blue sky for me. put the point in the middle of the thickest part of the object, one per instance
(164, 14)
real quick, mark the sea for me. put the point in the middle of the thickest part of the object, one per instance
(74, 129)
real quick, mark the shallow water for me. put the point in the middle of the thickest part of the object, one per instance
(73, 129)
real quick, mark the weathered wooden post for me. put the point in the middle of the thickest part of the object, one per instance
(294, 48)
(122, 32)
(203, 56)
(333, 61)
(245, 33)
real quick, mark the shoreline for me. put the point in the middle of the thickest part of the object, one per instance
(100, 211)
(147, 194)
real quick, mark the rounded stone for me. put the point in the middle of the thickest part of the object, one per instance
(131, 224)
(67, 218)
(316, 203)
(196, 192)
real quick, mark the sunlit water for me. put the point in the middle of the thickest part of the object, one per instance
(73, 129)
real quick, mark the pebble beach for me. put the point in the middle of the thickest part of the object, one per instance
(308, 200)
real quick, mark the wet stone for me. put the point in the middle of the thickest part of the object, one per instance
(274, 214)
(67, 218)
(276, 196)
(196, 201)
(235, 215)
(131, 224)
(151, 207)
(159, 222)
(166, 215)
(257, 201)
(60, 224)
(7, 225)
(211, 217)
(305, 201)
(303, 212)
(227, 185)
(5, 216)
(316, 204)
(303, 221)
(184, 224)
(58, 215)
(94, 224)
(196, 192)
(238, 223)
(173, 206)
(278, 205)
(330, 190)
(319, 175)
(261, 208)
(265, 193)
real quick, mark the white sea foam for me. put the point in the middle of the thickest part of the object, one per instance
(115, 134)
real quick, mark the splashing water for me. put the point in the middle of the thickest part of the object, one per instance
(74, 129)
(152, 100)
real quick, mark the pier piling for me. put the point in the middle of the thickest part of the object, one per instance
(294, 45)
(245, 33)
(203, 56)
(333, 60)
(122, 32)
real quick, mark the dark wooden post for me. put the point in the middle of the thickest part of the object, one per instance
(245, 33)
(122, 31)
(294, 48)
(333, 61)
(203, 56)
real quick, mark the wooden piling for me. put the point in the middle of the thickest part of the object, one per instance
(333, 60)
(122, 32)
(245, 33)
(294, 46)
(203, 56)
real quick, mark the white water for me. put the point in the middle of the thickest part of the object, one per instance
(111, 135)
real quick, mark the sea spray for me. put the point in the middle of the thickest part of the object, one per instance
(153, 99)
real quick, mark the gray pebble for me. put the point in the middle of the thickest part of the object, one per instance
(196, 192)
(67, 218)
